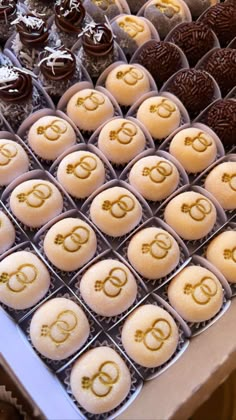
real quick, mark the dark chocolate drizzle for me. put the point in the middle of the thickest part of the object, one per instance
(96, 45)
(32, 37)
(17, 91)
(57, 73)
(69, 19)
(8, 10)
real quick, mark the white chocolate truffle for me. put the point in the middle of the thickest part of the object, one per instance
(221, 182)
(150, 336)
(115, 211)
(59, 328)
(13, 161)
(153, 252)
(89, 109)
(35, 202)
(7, 233)
(195, 149)
(24, 280)
(70, 243)
(221, 252)
(127, 83)
(108, 287)
(100, 380)
(135, 28)
(191, 215)
(121, 140)
(154, 177)
(196, 294)
(81, 173)
(50, 136)
(160, 116)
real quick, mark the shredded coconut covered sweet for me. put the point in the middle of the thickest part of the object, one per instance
(53, 60)
(30, 21)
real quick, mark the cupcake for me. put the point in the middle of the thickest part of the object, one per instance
(29, 40)
(221, 252)
(97, 49)
(191, 215)
(59, 69)
(165, 15)
(127, 83)
(8, 12)
(195, 149)
(196, 294)
(153, 252)
(221, 183)
(100, 10)
(41, 7)
(197, 7)
(7, 233)
(13, 161)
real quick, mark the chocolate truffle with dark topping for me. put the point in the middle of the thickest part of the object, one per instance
(195, 89)
(197, 7)
(194, 38)
(221, 64)
(161, 59)
(58, 70)
(43, 8)
(8, 10)
(221, 18)
(221, 118)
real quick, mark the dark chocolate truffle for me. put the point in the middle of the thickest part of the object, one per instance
(221, 64)
(8, 10)
(221, 18)
(161, 59)
(197, 7)
(195, 88)
(221, 118)
(194, 38)
(9, 412)
(69, 15)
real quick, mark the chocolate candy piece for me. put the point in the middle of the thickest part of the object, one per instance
(15, 85)
(97, 40)
(69, 16)
(161, 59)
(9, 412)
(32, 30)
(221, 64)
(194, 38)
(222, 19)
(197, 7)
(58, 64)
(195, 88)
(221, 117)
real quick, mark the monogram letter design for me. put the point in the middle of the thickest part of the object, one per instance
(83, 168)
(164, 5)
(131, 27)
(155, 336)
(18, 280)
(120, 207)
(198, 210)
(60, 330)
(113, 283)
(203, 291)
(159, 247)
(159, 172)
(74, 240)
(124, 134)
(231, 180)
(7, 153)
(102, 382)
(230, 254)
(164, 109)
(199, 143)
(92, 101)
(131, 76)
(53, 131)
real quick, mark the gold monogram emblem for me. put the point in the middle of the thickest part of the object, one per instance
(53, 131)
(164, 109)
(91, 102)
(37, 196)
(203, 291)
(159, 172)
(7, 152)
(230, 254)
(159, 247)
(82, 169)
(60, 330)
(131, 76)
(155, 336)
(198, 210)
(231, 180)
(131, 27)
(73, 241)
(113, 283)
(199, 143)
(124, 134)
(120, 207)
(18, 280)
(103, 4)
(164, 5)
(102, 382)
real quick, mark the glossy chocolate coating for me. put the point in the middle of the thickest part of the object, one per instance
(32, 36)
(63, 68)
(17, 91)
(98, 41)
(8, 10)
(69, 18)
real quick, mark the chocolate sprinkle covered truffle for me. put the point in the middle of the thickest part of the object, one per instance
(195, 88)
(194, 38)
(197, 7)
(221, 64)
(161, 59)
(221, 18)
(221, 118)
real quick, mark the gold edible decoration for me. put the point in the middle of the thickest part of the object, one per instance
(131, 76)
(198, 210)
(230, 254)
(83, 168)
(102, 382)
(7, 152)
(120, 207)
(164, 109)
(203, 291)
(164, 5)
(199, 143)
(131, 27)
(125, 134)
(159, 247)
(53, 131)
(17, 281)
(74, 240)
(37, 196)
(154, 337)
(159, 172)
(112, 285)
(231, 180)
(92, 101)
(59, 331)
